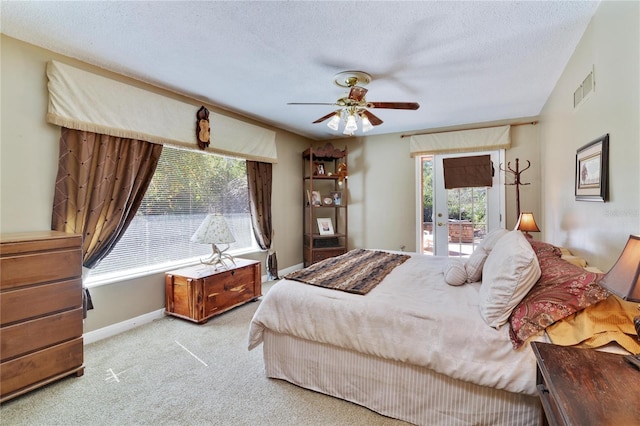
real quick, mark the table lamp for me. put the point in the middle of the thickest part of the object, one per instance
(623, 279)
(526, 223)
(214, 230)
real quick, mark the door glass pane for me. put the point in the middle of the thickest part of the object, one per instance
(467, 212)
(427, 205)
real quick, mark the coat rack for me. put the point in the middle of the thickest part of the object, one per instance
(516, 180)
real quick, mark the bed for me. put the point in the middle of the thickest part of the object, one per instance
(435, 341)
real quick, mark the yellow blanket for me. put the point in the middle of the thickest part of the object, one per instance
(608, 321)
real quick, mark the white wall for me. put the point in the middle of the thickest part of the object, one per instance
(596, 231)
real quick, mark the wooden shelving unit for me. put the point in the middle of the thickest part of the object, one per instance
(325, 197)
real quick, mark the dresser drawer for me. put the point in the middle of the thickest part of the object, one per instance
(19, 339)
(39, 366)
(35, 268)
(31, 302)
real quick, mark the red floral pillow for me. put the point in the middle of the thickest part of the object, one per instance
(543, 249)
(563, 289)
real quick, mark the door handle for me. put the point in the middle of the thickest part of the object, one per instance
(440, 223)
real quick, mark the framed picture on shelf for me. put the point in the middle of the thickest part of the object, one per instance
(316, 199)
(325, 226)
(319, 169)
(336, 196)
(592, 169)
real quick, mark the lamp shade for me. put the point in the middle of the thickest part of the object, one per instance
(213, 230)
(624, 278)
(351, 126)
(334, 123)
(527, 223)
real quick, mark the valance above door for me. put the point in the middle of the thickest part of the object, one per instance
(486, 139)
(85, 101)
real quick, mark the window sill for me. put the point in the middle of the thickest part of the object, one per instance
(132, 274)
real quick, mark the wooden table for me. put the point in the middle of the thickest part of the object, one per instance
(586, 387)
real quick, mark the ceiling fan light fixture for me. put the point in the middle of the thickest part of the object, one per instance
(366, 124)
(354, 105)
(351, 125)
(334, 122)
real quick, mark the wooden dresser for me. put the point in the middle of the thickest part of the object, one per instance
(199, 292)
(40, 310)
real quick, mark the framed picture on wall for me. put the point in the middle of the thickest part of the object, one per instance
(592, 164)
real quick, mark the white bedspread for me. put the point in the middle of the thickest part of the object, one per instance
(412, 316)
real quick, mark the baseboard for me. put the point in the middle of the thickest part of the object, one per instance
(290, 269)
(121, 327)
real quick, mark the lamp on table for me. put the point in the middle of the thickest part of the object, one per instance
(527, 223)
(214, 230)
(623, 279)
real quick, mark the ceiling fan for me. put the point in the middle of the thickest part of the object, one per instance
(355, 105)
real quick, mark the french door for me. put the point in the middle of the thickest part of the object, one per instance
(453, 221)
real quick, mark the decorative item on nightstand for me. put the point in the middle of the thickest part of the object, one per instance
(214, 230)
(526, 223)
(624, 278)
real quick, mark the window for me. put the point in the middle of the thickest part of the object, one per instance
(186, 186)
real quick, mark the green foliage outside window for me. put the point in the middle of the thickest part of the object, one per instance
(215, 186)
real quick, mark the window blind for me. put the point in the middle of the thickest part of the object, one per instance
(467, 172)
(186, 186)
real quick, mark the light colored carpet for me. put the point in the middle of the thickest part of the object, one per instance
(174, 372)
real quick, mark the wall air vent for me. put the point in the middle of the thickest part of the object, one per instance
(586, 88)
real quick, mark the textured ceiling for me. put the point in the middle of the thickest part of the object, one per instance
(464, 62)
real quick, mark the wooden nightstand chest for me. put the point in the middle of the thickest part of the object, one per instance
(586, 387)
(199, 292)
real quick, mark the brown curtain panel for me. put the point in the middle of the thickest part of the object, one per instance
(100, 184)
(259, 177)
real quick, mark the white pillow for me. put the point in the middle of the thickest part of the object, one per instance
(511, 269)
(475, 262)
(490, 240)
(454, 272)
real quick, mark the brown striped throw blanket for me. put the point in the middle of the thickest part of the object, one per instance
(357, 271)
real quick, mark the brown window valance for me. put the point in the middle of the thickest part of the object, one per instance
(465, 172)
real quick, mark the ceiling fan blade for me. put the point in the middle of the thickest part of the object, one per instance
(311, 103)
(394, 105)
(321, 119)
(357, 93)
(372, 118)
